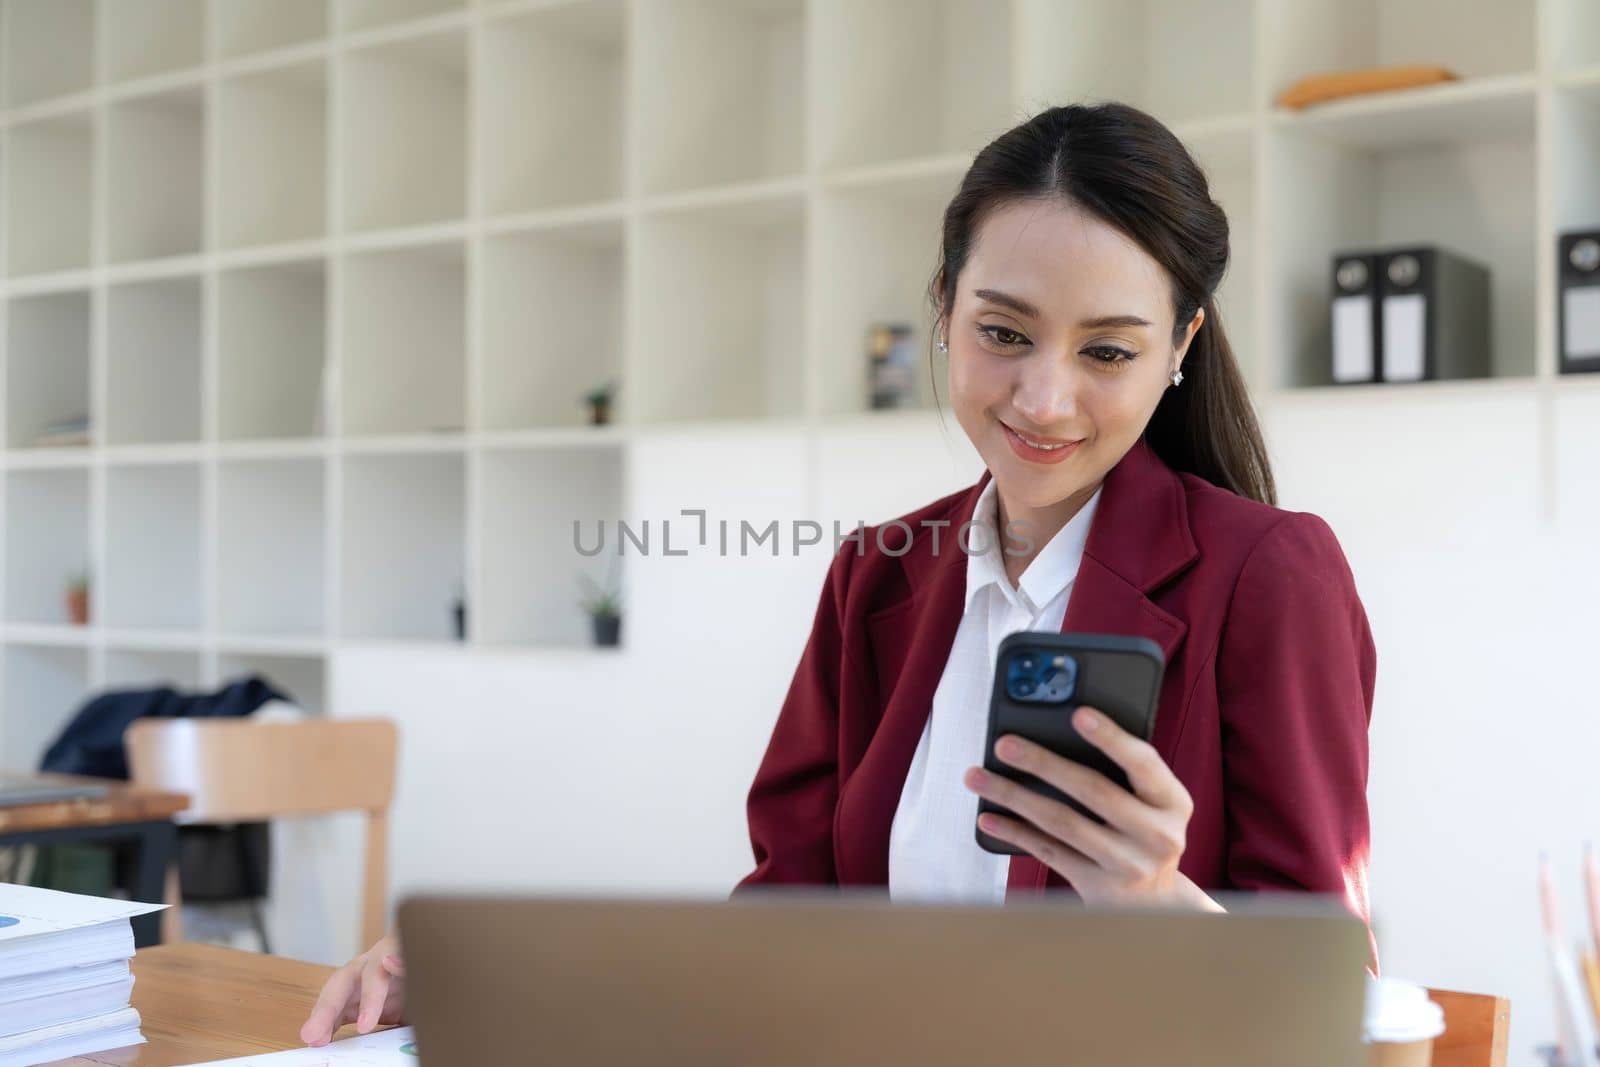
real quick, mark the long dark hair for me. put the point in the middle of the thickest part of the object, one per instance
(1128, 170)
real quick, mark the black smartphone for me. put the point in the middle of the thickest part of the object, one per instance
(1041, 678)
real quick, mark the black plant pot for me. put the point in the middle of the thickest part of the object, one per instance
(607, 630)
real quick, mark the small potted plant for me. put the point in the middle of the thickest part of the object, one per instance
(604, 606)
(599, 401)
(78, 599)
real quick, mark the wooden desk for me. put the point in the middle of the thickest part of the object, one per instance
(125, 811)
(201, 1002)
(123, 803)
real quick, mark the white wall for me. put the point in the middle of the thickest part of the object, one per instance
(579, 770)
(1482, 590)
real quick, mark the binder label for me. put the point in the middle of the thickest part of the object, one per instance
(1352, 339)
(1581, 337)
(1404, 320)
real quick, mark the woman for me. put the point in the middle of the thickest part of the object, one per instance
(1127, 491)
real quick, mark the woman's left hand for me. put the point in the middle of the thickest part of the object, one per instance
(1134, 857)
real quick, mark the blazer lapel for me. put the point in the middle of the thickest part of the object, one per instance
(911, 640)
(1140, 540)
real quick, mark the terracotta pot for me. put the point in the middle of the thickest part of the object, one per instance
(78, 606)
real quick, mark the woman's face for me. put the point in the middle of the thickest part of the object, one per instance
(1060, 334)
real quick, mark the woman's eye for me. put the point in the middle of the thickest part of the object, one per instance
(1003, 336)
(1110, 354)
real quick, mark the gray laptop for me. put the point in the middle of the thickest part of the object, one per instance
(18, 789)
(844, 979)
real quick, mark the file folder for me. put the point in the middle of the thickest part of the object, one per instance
(1356, 354)
(1434, 315)
(1579, 310)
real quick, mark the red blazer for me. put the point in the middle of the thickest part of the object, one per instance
(1263, 712)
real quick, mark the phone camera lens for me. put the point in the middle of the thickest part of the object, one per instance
(1026, 687)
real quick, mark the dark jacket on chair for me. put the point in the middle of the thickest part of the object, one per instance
(92, 742)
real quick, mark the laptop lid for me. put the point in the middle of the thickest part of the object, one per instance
(806, 977)
(18, 789)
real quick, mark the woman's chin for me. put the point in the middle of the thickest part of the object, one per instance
(1031, 488)
(1036, 485)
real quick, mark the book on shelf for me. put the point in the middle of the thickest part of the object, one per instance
(65, 433)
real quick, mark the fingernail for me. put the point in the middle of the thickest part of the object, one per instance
(1087, 720)
(1008, 748)
(976, 777)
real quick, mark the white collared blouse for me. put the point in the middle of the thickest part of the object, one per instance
(933, 854)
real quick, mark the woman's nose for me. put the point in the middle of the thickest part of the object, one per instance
(1046, 391)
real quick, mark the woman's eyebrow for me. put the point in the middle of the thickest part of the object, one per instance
(1015, 303)
(1111, 321)
(1022, 307)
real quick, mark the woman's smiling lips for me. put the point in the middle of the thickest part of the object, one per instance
(1036, 449)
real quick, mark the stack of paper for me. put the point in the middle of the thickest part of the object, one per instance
(64, 980)
(386, 1048)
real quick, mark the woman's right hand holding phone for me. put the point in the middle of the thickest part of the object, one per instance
(368, 991)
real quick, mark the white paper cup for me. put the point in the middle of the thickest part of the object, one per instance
(1400, 1023)
(1400, 1053)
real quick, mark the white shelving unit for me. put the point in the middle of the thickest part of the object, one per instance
(402, 130)
(546, 294)
(403, 340)
(47, 376)
(535, 157)
(151, 578)
(143, 38)
(908, 79)
(271, 350)
(331, 277)
(49, 178)
(153, 357)
(142, 668)
(687, 106)
(405, 551)
(726, 284)
(47, 541)
(250, 27)
(272, 544)
(155, 181)
(42, 684)
(886, 229)
(532, 558)
(48, 51)
(272, 156)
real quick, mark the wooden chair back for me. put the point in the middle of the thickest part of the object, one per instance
(236, 770)
(1476, 1027)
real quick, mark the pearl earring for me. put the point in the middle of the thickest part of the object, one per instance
(1177, 378)
(944, 346)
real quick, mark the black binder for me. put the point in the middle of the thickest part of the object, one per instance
(1357, 353)
(1578, 307)
(1433, 315)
